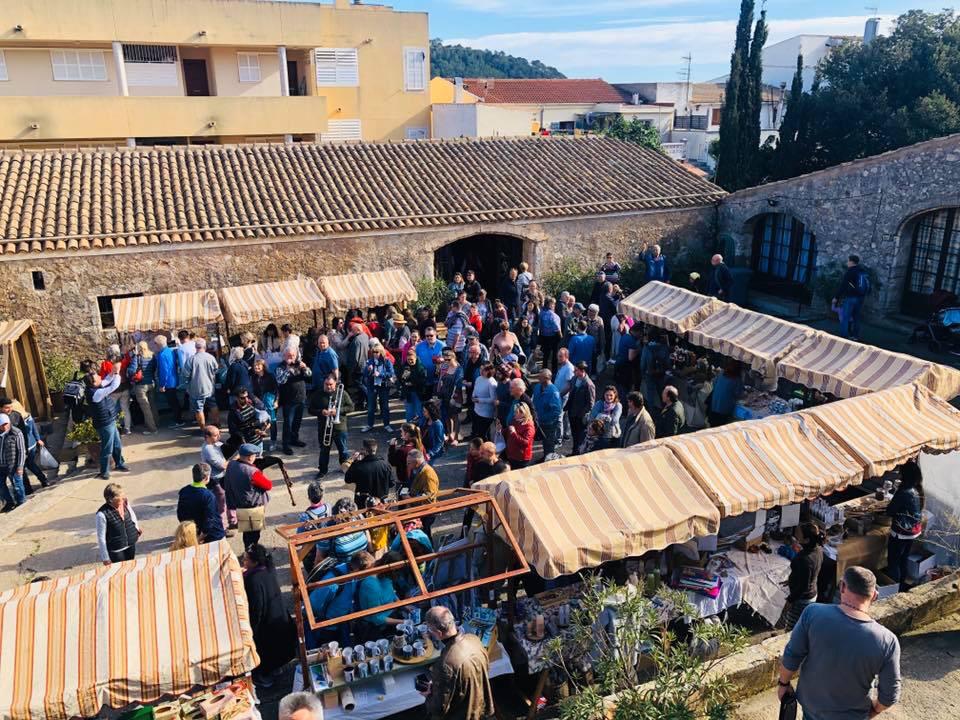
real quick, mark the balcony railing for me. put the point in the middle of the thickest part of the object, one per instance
(690, 122)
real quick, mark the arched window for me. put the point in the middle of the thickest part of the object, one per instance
(934, 258)
(784, 255)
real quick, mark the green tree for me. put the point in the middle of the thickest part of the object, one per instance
(457, 61)
(868, 99)
(739, 148)
(635, 131)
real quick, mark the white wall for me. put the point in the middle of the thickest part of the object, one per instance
(478, 120)
(453, 120)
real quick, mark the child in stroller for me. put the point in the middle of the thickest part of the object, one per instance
(942, 328)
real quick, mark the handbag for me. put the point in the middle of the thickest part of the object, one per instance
(788, 707)
(498, 441)
(251, 519)
(46, 459)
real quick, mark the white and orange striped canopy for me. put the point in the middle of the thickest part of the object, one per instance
(171, 311)
(845, 368)
(759, 464)
(886, 428)
(753, 338)
(582, 511)
(668, 307)
(368, 289)
(123, 633)
(268, 301)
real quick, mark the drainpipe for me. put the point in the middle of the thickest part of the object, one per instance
(121, 70)
(284, 83)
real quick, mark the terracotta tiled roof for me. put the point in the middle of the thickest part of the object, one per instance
(593, 90)
(57, 200)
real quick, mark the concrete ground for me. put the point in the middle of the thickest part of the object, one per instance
(930, 668)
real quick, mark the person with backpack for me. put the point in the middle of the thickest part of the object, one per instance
(336, 600)
(654, 364)
(854, 286)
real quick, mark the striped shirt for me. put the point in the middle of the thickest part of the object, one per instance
(343, 547)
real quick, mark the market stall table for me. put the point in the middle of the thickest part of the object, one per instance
(753, 579)
(375, 700)
(669, 307)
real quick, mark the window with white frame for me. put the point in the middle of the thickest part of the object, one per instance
(340, 130)
(417, 133)
(337, 67)
(3, 67)
(414, 69)
(84, 65)
(249, 64)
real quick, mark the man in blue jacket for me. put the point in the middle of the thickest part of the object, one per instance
(168, 373)
(657, 268)
(580, 345)
(549, 410)
(197, 503)
(853, 288)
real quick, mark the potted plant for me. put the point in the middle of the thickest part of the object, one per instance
(59, 370)
(86, 437)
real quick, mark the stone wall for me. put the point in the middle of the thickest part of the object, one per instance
(863, 207)
(68, 319)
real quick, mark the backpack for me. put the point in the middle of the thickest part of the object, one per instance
(74, 393)
(864, 285)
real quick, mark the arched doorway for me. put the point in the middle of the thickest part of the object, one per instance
(784, 255)
(934, 264)
(490, 256)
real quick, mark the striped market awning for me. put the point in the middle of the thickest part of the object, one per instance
(124, 633)
(580, 512)
(668, 307)
(368, 289)
(759, 464)
(846, 369)
(886, 428)
(753, 338)
(268, 301)
(172, 311)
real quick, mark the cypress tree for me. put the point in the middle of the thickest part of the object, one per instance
(750, 129)
(789, 143)
(728, 160)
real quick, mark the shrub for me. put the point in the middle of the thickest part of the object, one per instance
(58, 369)
(681, 681)
(83, 433)
(431, 293)
(571, 276)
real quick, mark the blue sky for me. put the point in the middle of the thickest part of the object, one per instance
(637, 40)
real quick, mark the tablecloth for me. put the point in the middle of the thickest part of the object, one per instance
(755, 580)
(373, 703)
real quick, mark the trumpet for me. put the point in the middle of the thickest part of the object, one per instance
(336, 400)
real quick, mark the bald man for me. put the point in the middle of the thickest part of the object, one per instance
(460, 681)
(721, 279)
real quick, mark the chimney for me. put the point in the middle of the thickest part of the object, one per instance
(458, 90)
(871, 30)
(635, 99)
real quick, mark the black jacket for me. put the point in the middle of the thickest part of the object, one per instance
(371, 475)
(721, 281)
(274, 633)
(320, 400)
(804, 569)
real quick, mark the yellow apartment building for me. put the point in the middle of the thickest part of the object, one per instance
(105, 72)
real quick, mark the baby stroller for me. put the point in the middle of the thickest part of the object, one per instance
(941, 331)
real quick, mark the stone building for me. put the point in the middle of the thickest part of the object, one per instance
(80, 228)
(900, 211)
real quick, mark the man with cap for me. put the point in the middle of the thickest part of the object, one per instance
(580, 400)
(471, 286)
(13, 456)
(842, 651)
(197, 503)
(247, 488)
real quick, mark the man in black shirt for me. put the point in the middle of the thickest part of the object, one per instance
(370, 475)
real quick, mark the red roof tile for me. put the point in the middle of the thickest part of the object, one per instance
(56, 200)
(592, 90)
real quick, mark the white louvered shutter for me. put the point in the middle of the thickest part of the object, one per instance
(414, 69)
(340, 130)
(337, 67)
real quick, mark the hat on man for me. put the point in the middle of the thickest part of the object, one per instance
(4, 418)
(248, 449)
(579, 306)
(594, 307)
(583, 365)
(399, 319)
(509, 358)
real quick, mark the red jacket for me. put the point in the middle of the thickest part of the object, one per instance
(519, 439)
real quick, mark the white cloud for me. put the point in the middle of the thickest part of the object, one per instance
(643, 50)
(565, 8)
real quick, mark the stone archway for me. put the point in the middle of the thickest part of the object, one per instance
(929, 261)
(489, 255)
